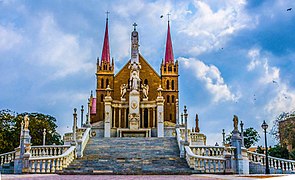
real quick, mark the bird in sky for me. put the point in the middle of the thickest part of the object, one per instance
(273, 81)
(289, 9)
(161, 16)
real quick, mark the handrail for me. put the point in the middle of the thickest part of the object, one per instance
(7, 157)
(11, 152)
(178, 136)
(85, 139)
(190, 153)
(263, 155)
(71, 149)
(48, 146)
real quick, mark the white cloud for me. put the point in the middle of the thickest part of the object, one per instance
(62, 51)
(212, 25)
(211, 76)
(9, 38)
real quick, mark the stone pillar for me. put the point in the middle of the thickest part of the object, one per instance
(44, 136)
(82, 111)
(142, 118)
(154, 117)
(241, 166)
(88, 115)
(108, 112)
(125, 112)
(74, 140)
(114, 118)
(177, 113)
(160, 112)
(242, 132)
(119, 118)
(149, 122)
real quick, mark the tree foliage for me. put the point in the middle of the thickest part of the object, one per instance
(251, 136)
(10, 123)
(279, 152)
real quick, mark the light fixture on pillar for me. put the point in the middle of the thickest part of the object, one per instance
(264, 126)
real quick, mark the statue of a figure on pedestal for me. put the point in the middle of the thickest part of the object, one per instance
(145, 90)
(26, 120)
(134, 81)
(236, 123)
(123, 90)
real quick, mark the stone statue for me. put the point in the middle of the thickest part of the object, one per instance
(160, 91)
(236, 120)
(27, 120)
(123, 90)
(145, 90)
(134, 81)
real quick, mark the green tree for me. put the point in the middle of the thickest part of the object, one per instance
(251, 136)
(10, 129)
(279, 152)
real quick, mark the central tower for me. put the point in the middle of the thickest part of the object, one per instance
(134, 82)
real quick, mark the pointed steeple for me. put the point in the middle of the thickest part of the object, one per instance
(169, 58)
(105, 56)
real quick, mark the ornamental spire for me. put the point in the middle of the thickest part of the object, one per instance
(105, 56)
(169, 58)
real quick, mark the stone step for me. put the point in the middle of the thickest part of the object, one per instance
(130, 156)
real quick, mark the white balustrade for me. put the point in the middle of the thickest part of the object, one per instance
(51, 164)
(48, 150)
(215, 151)
(276, 163)
(7, 157)
(204, 164)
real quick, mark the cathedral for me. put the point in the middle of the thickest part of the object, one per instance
(136, 101)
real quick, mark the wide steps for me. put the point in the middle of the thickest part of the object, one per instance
(130, 156)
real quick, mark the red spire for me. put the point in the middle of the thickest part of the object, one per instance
(169, 58)
(105, 57)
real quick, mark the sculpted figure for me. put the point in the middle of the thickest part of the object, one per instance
(123, 90)
(27, 120)
(145, 90)
(235, 122)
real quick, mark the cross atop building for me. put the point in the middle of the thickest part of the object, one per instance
(134, 24)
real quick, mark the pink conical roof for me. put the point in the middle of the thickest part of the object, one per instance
(105, 56)
(169, 50)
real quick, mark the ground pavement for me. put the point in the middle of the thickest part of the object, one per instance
(147, 177)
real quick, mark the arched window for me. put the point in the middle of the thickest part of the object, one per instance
(167, 84)
(172, 99)
(172, 84)
(107, 82)
(169, 68)
(101, 98)
(168, 99)
(101, 83)
(146, 81)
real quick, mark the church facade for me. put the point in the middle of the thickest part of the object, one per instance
(136, 101)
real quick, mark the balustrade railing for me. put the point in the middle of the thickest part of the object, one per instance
(7, 157)
(204, 164)
(52, 164)
(215, 151)
(48, 150)
(276, 163)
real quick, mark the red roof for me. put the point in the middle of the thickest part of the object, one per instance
(93, 106)
(169, 58)
(105, 57)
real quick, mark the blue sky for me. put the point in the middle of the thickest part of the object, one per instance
(230, 53)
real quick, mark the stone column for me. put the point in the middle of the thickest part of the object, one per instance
(142, 118)
(119, 118)
(108, 113)
(149, 118)
(154, 117)
(82, 110)
(114, 118)
(160, 112)
(74, 140)
(177, 113)
(125, 112)
(88, 115)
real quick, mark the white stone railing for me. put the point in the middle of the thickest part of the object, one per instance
(7, 157)
(276, 163)
(52, 164)
(204, 164)
(48, 150)
(200, 150)
(83, 142)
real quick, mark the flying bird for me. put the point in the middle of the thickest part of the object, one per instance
(289, 9)
(273, 81)
(161, 16)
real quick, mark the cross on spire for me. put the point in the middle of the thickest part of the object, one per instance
(107, 13)
(168, 16)
(134, 25)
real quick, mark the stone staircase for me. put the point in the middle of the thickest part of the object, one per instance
(130, 156)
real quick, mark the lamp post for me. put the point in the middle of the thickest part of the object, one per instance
(181, 118)
(82, 110)
(264, 126)
(242, 133)
(185, 121)
(223, 137)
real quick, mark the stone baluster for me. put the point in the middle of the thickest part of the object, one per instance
(53, 164)
(33, 167)
(38, 166)
(58, 164)
(48, 166)
(43, 166)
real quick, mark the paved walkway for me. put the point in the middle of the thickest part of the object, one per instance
(147, 177)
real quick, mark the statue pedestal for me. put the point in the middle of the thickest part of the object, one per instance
(160, 115)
